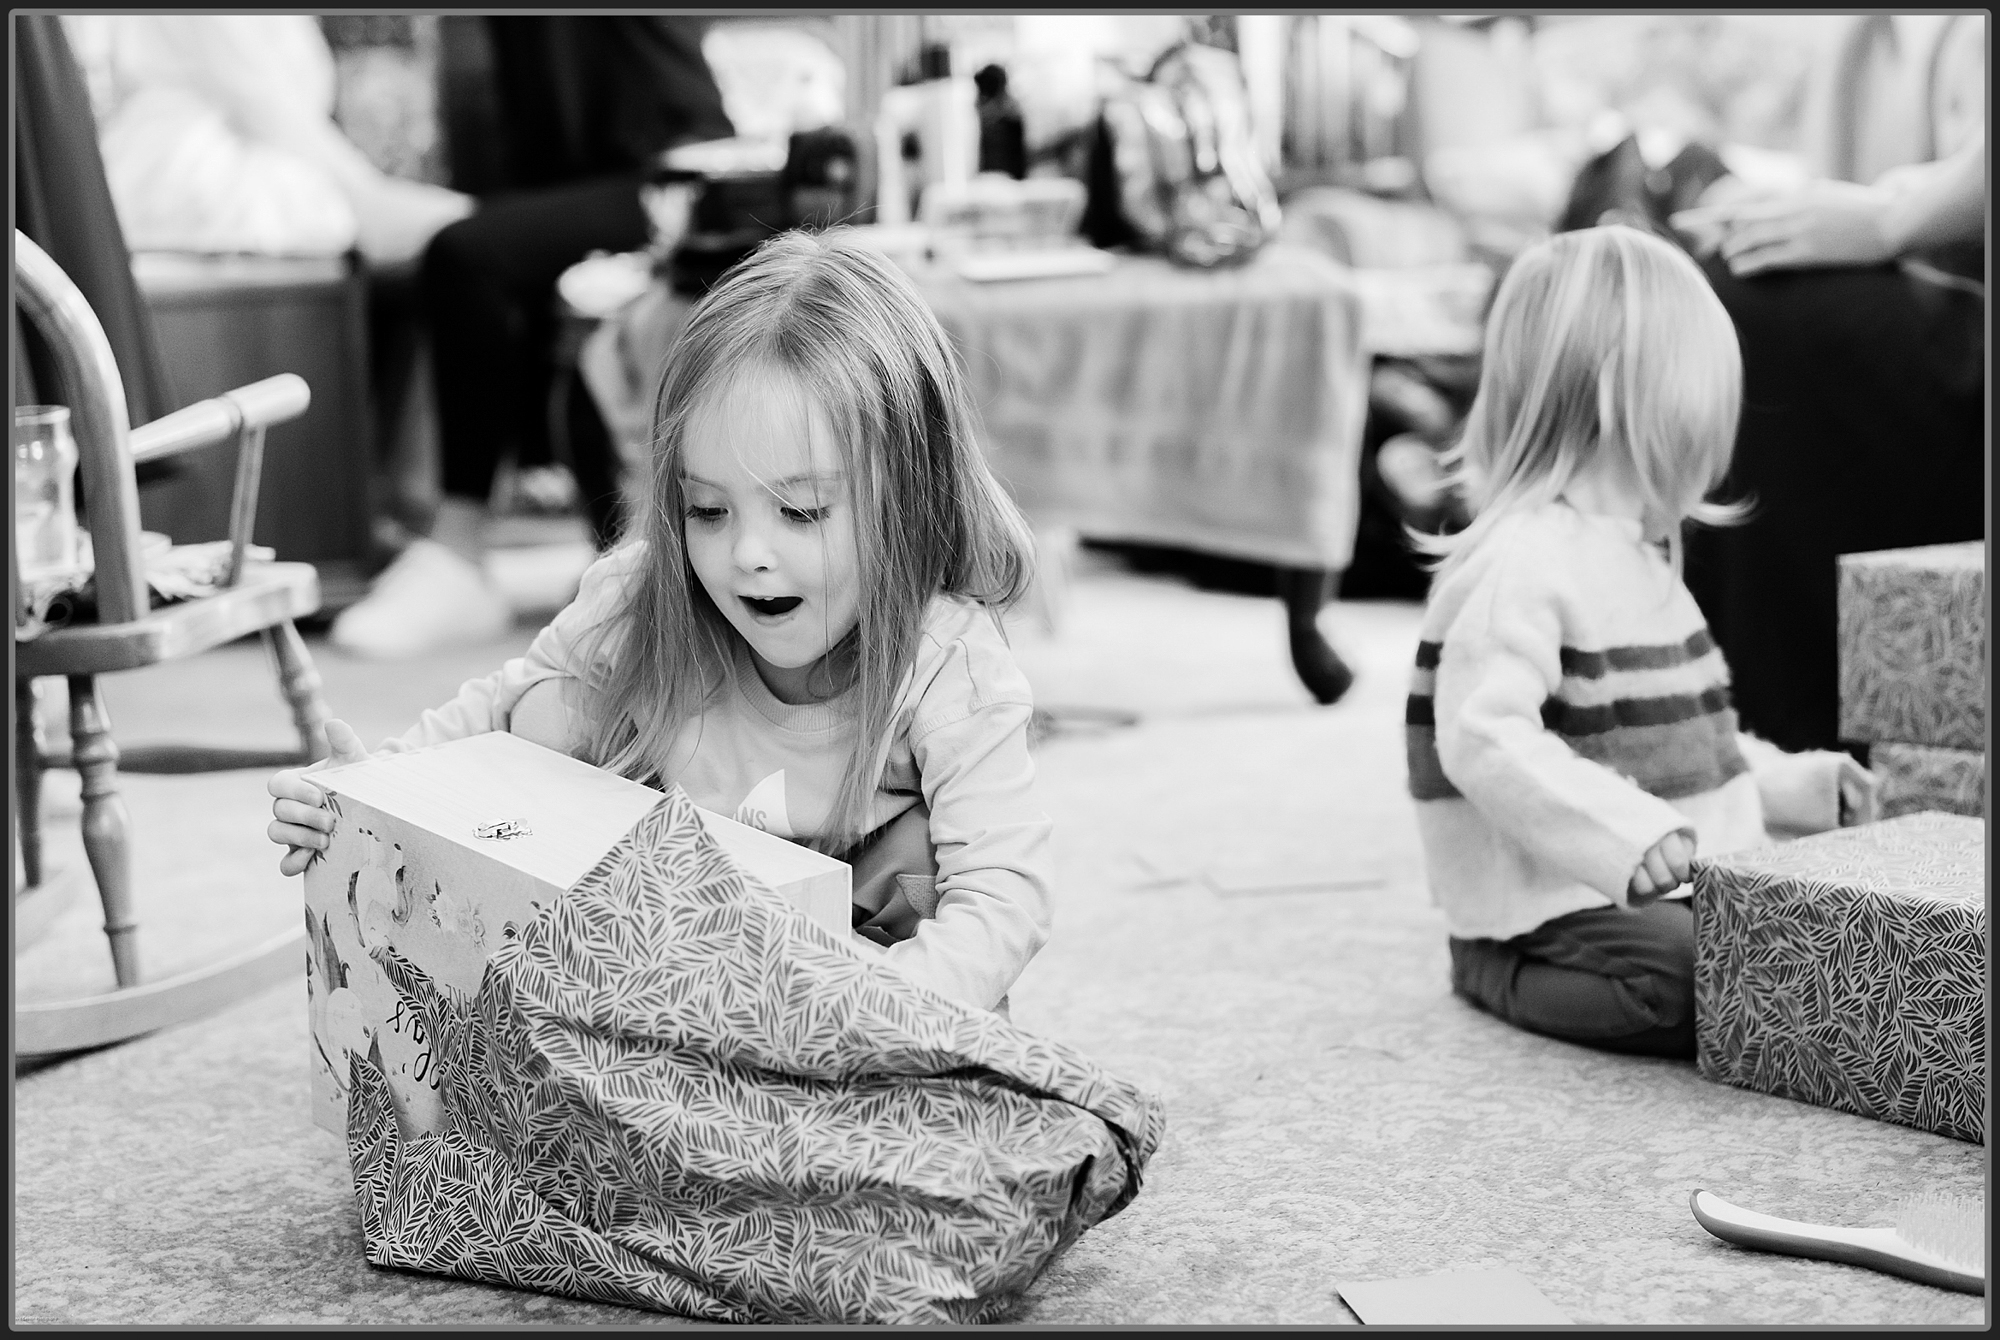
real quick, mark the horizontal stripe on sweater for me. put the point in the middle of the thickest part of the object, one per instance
(1578, 663)
(1574, 721)
(1672, 761)
(1659, 656)
(1711, 671)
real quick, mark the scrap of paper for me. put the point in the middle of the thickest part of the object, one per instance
(1499, 1297)
(1152, 874)
(1233, 879)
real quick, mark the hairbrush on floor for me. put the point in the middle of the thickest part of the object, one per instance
(1938, 1240)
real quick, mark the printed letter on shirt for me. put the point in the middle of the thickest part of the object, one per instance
(764, 807)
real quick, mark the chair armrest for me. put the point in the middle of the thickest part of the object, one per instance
(244, 414)
(207, 422)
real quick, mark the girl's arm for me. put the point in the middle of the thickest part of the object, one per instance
(969, 740)
(1501, 660)
(514, 697)
(526, 695)
(1809, 792)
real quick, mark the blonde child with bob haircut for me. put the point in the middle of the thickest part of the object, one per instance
(805, 631)
(1569, 731)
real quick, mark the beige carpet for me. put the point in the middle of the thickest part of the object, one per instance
(1242, 927)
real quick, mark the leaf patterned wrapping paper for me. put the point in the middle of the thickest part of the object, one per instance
(1913, 646)
(1848, 970)
(1919, 777)
(673, 1091)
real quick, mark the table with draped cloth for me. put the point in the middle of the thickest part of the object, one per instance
(1211, 410)
(1216, 410)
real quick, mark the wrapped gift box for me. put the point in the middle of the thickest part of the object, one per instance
(1913, 646)
(444, 854)
(1921, 777)
(1848, 970)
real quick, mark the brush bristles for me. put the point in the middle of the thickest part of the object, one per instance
(1951, 1227)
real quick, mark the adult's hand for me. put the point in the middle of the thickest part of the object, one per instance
(1825, 224)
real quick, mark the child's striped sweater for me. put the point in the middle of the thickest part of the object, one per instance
(1569, 710)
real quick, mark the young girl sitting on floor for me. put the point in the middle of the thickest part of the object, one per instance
(805, 632)
(1570, 735)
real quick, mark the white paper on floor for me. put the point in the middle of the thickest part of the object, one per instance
(1235, 878)
(1500, 1297)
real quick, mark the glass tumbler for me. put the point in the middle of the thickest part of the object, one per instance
(44, 490)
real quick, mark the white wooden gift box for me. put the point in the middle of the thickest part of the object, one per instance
(407, 866)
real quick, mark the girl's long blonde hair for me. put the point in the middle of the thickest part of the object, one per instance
(846, 327)
(1600, 340)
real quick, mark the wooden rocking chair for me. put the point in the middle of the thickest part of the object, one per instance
(255, 597)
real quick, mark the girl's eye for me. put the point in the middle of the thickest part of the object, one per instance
(805, 516)
(704, 513)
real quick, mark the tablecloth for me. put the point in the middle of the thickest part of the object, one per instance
(1218, 410)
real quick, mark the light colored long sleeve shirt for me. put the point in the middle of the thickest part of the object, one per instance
(1569, 709)
(959, 745)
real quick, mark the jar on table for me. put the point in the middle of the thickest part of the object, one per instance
(45, 457)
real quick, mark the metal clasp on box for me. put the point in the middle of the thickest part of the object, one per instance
(505, 828)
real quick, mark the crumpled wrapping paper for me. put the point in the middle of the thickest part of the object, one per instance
(671, 1091)
(173, 572)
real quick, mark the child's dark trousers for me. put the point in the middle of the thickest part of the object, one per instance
(1614, 978)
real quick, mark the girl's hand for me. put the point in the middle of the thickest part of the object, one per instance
(300, 822)
(1860, 792)
(1663, 869)
(1815, 791)
(1827, 224)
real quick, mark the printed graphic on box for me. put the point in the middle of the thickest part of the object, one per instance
(446, 855)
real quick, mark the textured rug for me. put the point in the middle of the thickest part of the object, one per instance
(1242, 928)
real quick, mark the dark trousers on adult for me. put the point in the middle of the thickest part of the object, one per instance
(1862, 428)
(1618, 979)
(489, 285)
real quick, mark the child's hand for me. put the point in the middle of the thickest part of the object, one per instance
(1860, 792)
(1815, 791)
(1664, 868)
(300, 822)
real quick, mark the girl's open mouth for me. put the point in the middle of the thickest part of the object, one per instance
(774, 606)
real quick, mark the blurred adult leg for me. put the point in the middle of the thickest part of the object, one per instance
(489, 290)
(1862, 428)
(489, 293)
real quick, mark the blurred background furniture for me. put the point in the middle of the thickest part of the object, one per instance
(1899, 89)
(1210, 410)
(226, 321)
(128, 631)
